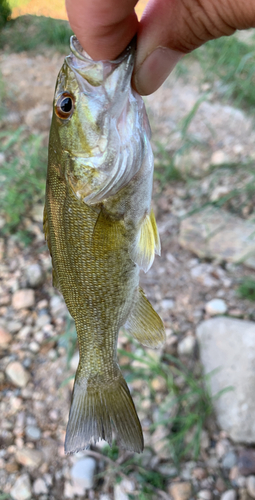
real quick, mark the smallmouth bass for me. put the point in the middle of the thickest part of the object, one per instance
(100, 232)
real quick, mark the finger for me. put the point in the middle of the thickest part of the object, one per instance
(103, 27)
(171, 28)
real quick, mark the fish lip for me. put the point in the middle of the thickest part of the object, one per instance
(78, 51)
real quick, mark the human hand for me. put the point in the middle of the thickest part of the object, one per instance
(168, 30)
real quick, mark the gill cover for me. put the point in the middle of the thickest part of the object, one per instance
(118, 130)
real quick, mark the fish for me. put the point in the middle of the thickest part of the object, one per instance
(100, 232)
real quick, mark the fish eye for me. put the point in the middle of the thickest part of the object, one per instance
(65, 105)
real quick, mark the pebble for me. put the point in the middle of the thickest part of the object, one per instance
(34, 346)
(199, 473)
(33, 433)
(122, 490)
(229, 460)
(216, 306)
(5, 338)
(228, 495)
(82, 473)
(57, 306)
(250, 484)
(204, 495)
(167, 304)
(14, 326)
(186, 346)
(246, 462)
(75, 361)
(23, 299)
(29, 458)
(17, 374)
(39, 487)
(34, 275)
(220, 484)
(180, 491)
(21, 489)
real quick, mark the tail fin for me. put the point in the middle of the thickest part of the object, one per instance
(97, 411)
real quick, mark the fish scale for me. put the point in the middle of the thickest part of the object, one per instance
(98, 248)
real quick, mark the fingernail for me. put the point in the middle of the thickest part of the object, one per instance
(155, 69)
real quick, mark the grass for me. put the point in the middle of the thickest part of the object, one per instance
(246, 289)
(23, 174)
(32, 33)
(233, 63)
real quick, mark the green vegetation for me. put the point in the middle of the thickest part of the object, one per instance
(23, 174)
(233, 63)
(246, 289)
(5, 12)
(185, 407)
(35, 32)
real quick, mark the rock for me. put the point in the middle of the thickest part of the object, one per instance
(219, 192)
(104, 497)
(219, 157)
(29, 458)
(228, 495)
(204, 495)
(159, 384)
(229, 460)
(39, 487)
(82, 473)
(57, 307)
(250, 484)
(199, 473)
(17, 374)
(220, 484)
(216, 306)
(122, 489)
(37, 212)
(214, 233)
(5, 338)
(75, 361)
(21, 489)
(246, 462)
(23, 299)
(227, 347)
(14, 326)
(180, 491)
(186, 346)
(33, 433)
(34, 275)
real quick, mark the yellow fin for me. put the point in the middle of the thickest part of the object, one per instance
(98, 411)
(145, 324)
(147, 243)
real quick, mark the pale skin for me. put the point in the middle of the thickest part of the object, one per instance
(168, 30)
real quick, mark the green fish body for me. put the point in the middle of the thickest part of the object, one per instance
(100, 232)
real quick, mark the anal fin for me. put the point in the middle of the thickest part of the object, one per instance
(145, 324)
(147, 243)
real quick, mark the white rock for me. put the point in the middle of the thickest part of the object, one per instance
(21, 489)
(216, 306)
(33, 432)
(23, 299)
(75, 361)
(39, 487)
(122, 489)
(104, 497)
(82, 473)
(219, 157)
(29, 458)
(219, 192)
(17, 374)
(34, 275)
(227, 348)
(251, 486)
(186, 346)
(204, 495)
(228, 495)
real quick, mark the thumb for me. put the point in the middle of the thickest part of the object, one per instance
(169, 29)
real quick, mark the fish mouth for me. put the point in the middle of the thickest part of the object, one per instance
(80, 53)
(96, 73)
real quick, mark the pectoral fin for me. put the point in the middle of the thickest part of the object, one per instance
(147, 243)
(107, 233)
(145, 324)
